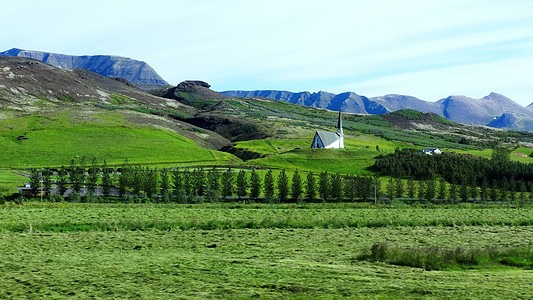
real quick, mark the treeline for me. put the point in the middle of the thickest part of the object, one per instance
(456, 168)
(142, 184)
(132, 183)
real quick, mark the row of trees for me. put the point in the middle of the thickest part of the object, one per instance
(191, 186)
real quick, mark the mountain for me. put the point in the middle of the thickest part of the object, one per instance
(460, 109)
(134, 71)
(29, 87)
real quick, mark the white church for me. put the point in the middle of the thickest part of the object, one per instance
(325, 139)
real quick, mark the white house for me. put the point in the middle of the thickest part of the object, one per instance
(431, 151)
(325, 139)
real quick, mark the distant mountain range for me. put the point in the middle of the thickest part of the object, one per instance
(493, 110)
(135, 71)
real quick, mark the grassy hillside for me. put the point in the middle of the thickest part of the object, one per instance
(53, 140)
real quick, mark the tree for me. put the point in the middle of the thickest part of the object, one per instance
(484, 193)
(177, 181)
(421, 190)
(452, 192)
(62, 180)
(349, 187)
(390, 189)
(323, 185)
(442, 189)
(242, 184)
(494, 191)
(269, 186)
(255, 185)
(106, 179)
(398, 188)
(46, 176)
(411, 188)
(463, 192)
(336, 187)
(187, 182)
(430, 190)
(213, 179)
(35, 181)
(92, 179)
(199, 182)
(227, 183)
(283, 186)
(165, 185)
(501, 153)
(296, 187)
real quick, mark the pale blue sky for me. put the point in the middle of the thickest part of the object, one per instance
(429, 49)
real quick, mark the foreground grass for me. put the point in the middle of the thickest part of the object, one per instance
(437, 258)
(297, 261)
(59, 217)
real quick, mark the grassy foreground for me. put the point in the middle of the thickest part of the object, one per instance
(147, 251)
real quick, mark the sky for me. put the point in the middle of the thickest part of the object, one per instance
(429, 49)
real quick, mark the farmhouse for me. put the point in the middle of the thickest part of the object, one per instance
(325, 139)
(431, 151)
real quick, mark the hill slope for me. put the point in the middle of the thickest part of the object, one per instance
(455, 108)
(135, 71)
(50, 115)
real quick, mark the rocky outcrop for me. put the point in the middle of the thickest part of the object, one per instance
(134, 71)
(193, 92)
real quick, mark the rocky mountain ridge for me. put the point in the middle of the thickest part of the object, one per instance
(134, 71)
(493, 110)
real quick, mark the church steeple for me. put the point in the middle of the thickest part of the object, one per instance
(339, 125)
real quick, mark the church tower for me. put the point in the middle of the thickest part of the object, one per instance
(339, 131)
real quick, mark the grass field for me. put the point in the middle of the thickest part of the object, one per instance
(247, 251)
(55, 140)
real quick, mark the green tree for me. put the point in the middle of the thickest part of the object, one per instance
(323, 185)
(463, 192)
(442, 189)
(242, 184)
(106, 179)
(255, 185)
(35, 181)
(336, 187)
(93, 174)
(227, 183)
(296, 187)
(199, 182)
(484, 191)
(452, 192)
(62, 180)
(421, 190)
(213, 179)
(390, 189)
(177, 181)
(411, 188)
(501, 153)
(165, 185)
(283, 186)
(46, 175)
(430, 190)
(398, 188)
(269, 186)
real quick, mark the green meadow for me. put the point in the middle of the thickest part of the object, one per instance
(65, 250)
(41, 141)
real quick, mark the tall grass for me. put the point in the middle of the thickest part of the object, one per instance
(437, 258)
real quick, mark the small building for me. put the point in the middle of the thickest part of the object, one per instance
(431, 151)
(325, 139)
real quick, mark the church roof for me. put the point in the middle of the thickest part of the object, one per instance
(327, 138)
